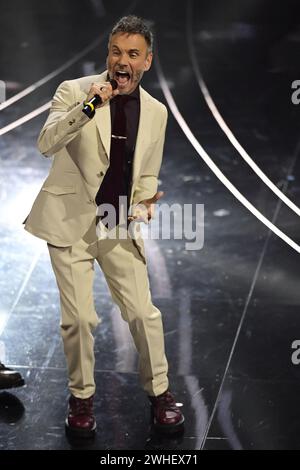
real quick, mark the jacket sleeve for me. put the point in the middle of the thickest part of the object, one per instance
(64, 121)
(147, 184)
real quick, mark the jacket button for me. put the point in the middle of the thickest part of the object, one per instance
(100, 174)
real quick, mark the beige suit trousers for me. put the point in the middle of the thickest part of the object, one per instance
(127, 278)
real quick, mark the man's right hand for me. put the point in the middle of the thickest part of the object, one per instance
(104, 90)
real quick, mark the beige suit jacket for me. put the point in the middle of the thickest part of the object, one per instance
(65, 206)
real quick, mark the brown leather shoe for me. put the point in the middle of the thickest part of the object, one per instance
(9, 378)
(80, 421)
(166, 415)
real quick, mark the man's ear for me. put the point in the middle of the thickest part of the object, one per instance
(148, 61)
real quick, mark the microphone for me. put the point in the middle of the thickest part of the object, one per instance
(89, 106)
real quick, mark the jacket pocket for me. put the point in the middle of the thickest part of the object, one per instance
(59, 190)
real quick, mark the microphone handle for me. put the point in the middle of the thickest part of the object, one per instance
(89, 106)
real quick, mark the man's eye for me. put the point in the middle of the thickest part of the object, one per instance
(133, 56)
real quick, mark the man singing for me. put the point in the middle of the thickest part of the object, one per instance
(112, 150)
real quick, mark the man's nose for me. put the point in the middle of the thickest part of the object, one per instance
(123, 60)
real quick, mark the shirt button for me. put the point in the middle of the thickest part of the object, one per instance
(100, 174)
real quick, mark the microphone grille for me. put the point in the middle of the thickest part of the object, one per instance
(114, 84)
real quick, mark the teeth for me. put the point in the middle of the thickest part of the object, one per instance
(121, 72)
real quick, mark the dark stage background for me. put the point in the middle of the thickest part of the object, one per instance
(230, 310)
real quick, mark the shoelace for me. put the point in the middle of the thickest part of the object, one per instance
(167, 399)
(82, 406)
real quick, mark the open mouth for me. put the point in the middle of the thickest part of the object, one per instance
(122, 78)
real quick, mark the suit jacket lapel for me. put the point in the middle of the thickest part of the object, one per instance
(103, 122)
(143, 133)
(102, 117)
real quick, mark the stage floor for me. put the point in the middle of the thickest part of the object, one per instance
(231, 309)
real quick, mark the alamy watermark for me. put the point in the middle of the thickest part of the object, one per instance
(295, 357)
(176, 221)
(296, 94)
(2, 91)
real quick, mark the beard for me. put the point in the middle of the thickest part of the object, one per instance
(128, 86)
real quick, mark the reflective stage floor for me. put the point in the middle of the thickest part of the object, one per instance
(230, 309)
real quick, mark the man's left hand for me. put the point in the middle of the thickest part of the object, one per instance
(144, 210)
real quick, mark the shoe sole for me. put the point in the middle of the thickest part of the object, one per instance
(17, 384)
(80, 433)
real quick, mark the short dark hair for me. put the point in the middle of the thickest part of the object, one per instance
(132, 24)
